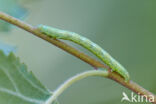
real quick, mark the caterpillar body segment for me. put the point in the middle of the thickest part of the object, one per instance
(89, 45)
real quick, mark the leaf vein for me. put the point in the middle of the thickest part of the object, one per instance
(29, 81)
(11, 79)
(25, 98)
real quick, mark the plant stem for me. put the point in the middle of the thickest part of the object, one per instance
(96, 64)
(55, 42)
(74, 79)
(133, 86)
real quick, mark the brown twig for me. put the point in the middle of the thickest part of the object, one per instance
(112, 75)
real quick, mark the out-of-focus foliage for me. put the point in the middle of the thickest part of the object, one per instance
(124, 28)
(13, 8)
(7, 48)
(17, 85)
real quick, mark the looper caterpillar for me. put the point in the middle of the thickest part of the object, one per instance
(89, 45)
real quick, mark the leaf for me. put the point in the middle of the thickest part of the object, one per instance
(17, 85)
(7, 48)
(13, 8)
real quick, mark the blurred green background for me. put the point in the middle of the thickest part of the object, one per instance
(125, 28)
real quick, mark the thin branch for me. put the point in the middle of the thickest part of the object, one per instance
(55, 42)
(132, 86)
(96, 64)
(72, 80)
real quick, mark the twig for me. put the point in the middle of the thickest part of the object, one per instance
(112, 75)
(70, 81)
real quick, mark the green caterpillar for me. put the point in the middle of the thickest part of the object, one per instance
(88, 44)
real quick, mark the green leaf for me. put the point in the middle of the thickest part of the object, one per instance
(17, 85)
(13, 8)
